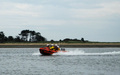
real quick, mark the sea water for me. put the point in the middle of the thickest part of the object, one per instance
(76, 61)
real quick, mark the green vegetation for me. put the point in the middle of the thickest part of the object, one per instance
(24, 36)
(31, 37)
(28, 36)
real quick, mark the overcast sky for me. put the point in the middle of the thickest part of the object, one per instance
(94, 20)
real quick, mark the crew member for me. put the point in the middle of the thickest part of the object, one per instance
(56, 47)
(53, 47)
(48, 45)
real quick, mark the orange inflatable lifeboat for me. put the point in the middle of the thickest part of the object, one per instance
(47, 51)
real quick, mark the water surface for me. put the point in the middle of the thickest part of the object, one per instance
(77, 61)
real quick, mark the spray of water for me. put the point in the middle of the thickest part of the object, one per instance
(81, 52)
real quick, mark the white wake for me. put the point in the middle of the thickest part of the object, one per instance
(81, 52)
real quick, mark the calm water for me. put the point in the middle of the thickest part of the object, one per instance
(77, 61)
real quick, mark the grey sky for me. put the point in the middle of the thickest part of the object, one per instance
(58, 19)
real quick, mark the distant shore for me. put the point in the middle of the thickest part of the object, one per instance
(66, 45)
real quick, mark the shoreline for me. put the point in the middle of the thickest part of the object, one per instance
(67, 45)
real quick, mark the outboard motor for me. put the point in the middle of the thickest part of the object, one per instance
(62, 49)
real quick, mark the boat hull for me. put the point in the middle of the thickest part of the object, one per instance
(47, 51)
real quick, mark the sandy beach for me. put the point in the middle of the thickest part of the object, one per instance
(68, 45)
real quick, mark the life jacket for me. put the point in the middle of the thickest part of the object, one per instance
(56, 48)
(53, 48)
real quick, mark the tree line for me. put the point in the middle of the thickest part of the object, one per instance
(24, 36)
(33, 36)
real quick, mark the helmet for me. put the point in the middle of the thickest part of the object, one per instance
(47, 44)
(56, 45)
(52, 44)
